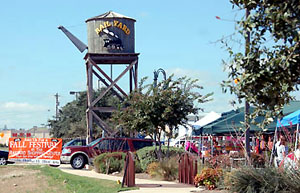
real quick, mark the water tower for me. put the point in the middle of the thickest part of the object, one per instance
(110, 42)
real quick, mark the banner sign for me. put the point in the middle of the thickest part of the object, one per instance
(35, 150)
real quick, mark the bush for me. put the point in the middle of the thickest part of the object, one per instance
(137, 166)
(152, 169)
(109, 162)
(258, 160)
(264, 180)
(208, 177)
(148, 155)
(219, 161)
(167, 169)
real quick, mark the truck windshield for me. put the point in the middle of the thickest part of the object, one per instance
(94, 142)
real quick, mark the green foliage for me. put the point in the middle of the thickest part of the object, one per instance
(148, 155)
(109, 162)
(150, 109)
(166, 169)
(72, 117)
(265, 180)
(137, 166)
(208, 177)
(269, 70)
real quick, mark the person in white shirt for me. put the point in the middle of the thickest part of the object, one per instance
(280, 146)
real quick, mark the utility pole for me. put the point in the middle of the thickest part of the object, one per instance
(246, 111)
(56, 106)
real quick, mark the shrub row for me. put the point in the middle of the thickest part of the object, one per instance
(114, 162)
(148, 155)
(109, 162)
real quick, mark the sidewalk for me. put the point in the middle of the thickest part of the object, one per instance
(145, 185)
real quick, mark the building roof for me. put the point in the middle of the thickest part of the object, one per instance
(39, 130)
(110, 15)
(292, 107)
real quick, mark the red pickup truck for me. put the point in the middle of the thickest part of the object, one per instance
(79, 156)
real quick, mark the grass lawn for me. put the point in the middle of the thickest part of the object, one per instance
(73, 183)
(51, 179)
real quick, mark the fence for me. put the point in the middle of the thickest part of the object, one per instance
(187, 169)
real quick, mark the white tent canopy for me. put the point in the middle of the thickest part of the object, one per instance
(210, 117)
(184, 132)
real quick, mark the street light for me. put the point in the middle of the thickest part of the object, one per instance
(156, 76)
(75, 93)
(156, 73)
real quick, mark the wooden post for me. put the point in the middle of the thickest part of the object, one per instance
(136, 75)
(130, 79)
(89, 101)
(129, 171)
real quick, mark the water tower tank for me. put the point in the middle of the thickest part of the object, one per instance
(110, 33)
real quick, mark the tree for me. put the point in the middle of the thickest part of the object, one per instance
(72, 117)
(269, 72)
(150, 109)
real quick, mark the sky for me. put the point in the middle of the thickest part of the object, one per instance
(37, 60)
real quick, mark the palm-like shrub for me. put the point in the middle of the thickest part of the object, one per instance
(264, 180)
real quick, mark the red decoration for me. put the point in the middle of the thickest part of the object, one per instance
(28, 134)
(21, 134)
(15, 135)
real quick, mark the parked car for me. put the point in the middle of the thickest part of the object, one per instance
(79, 156)
(75, 142)
(4, 158)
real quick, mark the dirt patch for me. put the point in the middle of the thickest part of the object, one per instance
(20, 179)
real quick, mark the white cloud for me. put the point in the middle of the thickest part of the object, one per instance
(23, 115)
(180, 72)
(13, 106)
(211, 83)
(143, 14)
(206, 79)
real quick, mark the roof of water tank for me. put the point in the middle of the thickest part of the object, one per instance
(109, 14)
